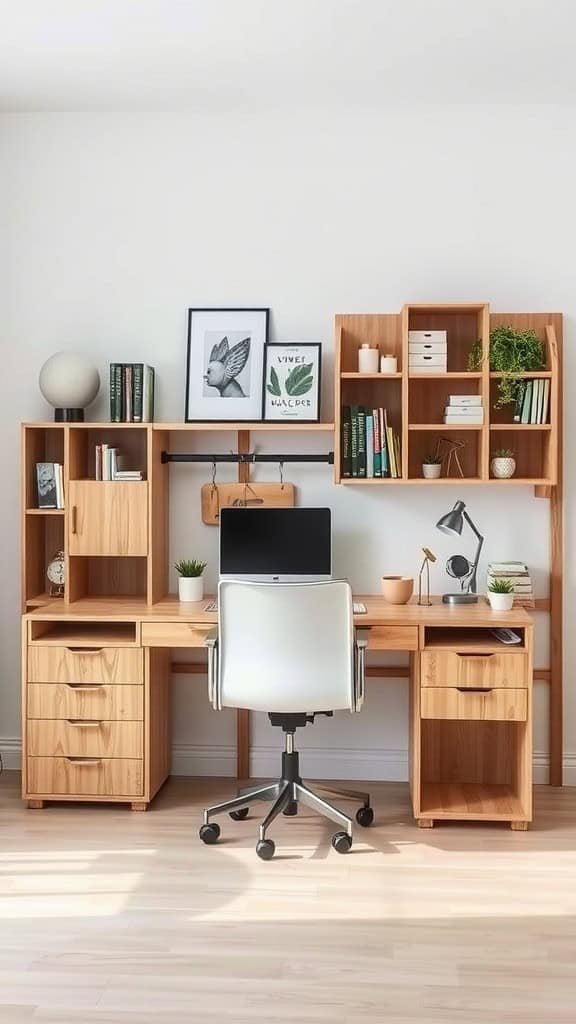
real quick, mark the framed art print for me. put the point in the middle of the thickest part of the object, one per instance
(225, 364)
(292, 381)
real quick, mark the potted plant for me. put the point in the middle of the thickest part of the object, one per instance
(512, 353)
(431, 467)
(503, 463)
(501, 595)
(191, 579)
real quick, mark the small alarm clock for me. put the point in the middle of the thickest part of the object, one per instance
(55, 574)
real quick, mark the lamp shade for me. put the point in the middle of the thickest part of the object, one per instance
(69, 381)
(453, 522)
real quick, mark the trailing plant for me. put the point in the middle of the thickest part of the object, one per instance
(503, 453)
(512, 353)
(431, 460)
(189, 567)
(501, 587)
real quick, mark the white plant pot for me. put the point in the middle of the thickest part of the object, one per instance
(501, 602)
(503, 469)
(191, 588)
(431, 470)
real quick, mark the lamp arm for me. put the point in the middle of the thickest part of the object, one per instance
(476, 532)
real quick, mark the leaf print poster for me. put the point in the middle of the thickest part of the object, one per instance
(292, 381)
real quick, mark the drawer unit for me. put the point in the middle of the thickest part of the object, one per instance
(175, 634)
(84, 664)
(103, 777)
(84, 738)
(393, 638)
(466, 704)
(467, 669)
(103, 701)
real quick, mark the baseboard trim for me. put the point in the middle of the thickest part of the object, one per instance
(370, 765)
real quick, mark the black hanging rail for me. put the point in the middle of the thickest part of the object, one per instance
(248, 458)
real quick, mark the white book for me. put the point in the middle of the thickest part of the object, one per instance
(465, 400)
(546, 401)
(534, 407)
(59, 485)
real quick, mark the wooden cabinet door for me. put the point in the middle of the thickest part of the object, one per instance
(108, 517)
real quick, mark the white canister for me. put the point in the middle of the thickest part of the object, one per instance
(368, 359)
(388, 364)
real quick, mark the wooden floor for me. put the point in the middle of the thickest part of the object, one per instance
(112, 916)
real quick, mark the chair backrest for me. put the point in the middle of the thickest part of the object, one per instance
(286, 647)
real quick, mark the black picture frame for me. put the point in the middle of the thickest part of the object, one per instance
(288, 418)
(257, 401)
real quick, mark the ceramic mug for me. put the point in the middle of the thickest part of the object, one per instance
(397, 589)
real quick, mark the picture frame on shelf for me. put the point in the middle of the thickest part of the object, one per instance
(292, 379)
(225, 364)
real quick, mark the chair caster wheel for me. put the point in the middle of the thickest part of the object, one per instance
(239, 815)
(341, 842)
(265, 848)
(365, 816)
(210, 834)
(291, 809)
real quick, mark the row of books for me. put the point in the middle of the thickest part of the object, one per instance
(532, 401)
(131, 393)
(464, 409)
(518, 574)
(109, 464)
(370, 446)
(50, 484)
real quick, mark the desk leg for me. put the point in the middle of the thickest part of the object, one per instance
(243, 745)
(425, 822)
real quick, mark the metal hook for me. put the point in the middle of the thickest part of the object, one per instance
(281, 471)
(213, 475)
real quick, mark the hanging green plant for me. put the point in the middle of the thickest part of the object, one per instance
(512, 353)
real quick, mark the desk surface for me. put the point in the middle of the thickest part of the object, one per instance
(378, 613)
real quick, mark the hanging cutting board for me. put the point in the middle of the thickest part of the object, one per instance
(217, 496)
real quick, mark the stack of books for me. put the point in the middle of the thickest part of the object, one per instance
(517, 573)
(50, 484)
(131, 393)
(370, 446)
(464, 409)
(110, 465)
(532, 401)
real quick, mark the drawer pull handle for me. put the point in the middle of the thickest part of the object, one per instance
(85, 650)
(477, 656)
(79, 687)
(84, 721)
(474, 689)
(84, 762)
(74, 519)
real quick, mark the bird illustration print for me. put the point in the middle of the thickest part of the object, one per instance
(225, 365)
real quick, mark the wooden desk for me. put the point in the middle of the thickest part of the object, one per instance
(96, 698)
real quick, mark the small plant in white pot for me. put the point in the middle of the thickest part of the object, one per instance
(431, 467)
(501, 595)
(191, 579)
(503, 463)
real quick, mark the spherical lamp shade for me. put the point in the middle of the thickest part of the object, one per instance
(69, 382)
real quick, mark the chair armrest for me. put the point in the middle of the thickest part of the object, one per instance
(212, 645)
(360, 645)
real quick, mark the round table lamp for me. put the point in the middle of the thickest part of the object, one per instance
(69, 382)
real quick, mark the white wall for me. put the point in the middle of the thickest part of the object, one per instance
(112, 225)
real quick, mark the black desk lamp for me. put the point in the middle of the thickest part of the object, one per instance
(452, 524)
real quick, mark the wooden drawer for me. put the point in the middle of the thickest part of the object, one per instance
(175, 634)
(474, 705)
(84, 664)
(392, 638)
(84, 738)
(496, 670)
(104, 701)
(100, 777)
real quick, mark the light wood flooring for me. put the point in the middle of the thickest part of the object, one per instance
(112, 916)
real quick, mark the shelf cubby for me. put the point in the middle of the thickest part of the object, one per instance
(106, 576)
(533, 452)
(429, 397)
(43, 539)
(464, 325)
(423, 442)
(130, 439)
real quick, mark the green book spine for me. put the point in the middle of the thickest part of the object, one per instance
(361, 442)
(354, 440)
(117, 416)
(112, 391)
(527, 403)
(346, 442)
(384, 443)
(137, 391)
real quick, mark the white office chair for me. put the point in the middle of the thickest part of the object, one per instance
(291, 650)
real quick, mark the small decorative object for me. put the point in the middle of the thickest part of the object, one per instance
(225, 364)
(452, 524)
(292, 381)
(501, 595)
(503, 464)
(425, 568)
(48, 485)
(397, 589)
(512, 353)
(368, 358)
(431, 466)
(388, 364)
(448, 448)
(191, 579)
(55, 575)
(69, 381)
